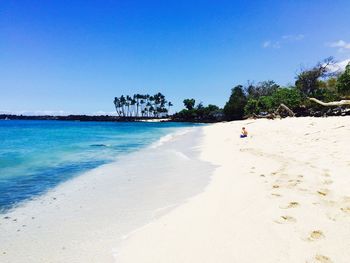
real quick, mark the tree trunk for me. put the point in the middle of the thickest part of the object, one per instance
(268, 116)
(332, 103)
(282, 106)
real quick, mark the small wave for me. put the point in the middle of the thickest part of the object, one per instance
(169, 137)
(99, 145)
(182, 155)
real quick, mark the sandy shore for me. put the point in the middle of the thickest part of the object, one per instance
(281, 195)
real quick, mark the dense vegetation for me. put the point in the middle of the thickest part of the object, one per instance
(140, 105)
(342, 84)
(198, 112)
(265, 97)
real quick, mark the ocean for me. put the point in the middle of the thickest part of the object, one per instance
(36, 156)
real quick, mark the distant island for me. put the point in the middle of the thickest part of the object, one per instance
(75, 118)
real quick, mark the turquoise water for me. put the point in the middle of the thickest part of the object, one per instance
(38, 155)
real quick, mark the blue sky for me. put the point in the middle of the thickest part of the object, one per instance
(76, 56)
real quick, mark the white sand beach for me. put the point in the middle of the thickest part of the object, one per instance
(281, 195)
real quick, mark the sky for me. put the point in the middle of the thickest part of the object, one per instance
(71, 57)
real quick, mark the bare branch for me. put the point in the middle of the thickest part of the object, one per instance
(284, 107)
(332, 103)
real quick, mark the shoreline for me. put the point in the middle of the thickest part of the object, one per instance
(102, 118)
(286, 198)
(86, 218)
(281, 195)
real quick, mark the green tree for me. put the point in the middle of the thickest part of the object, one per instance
(234, 108)
(189, 103)
(212, 108)
(291, 97)
(343, 83)
(200, 113)
(329, 84)
(308, 81)
(252, 107)
(264, 88)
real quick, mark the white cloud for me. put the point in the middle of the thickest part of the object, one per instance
(339, 66)
(340, 44)
(282, 40)
(293, 37)
(271, 44)
(266, 44)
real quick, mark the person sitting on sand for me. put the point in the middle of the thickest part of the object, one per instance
(244, 133)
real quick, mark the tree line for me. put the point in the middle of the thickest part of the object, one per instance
(320, 82)
(142, 105)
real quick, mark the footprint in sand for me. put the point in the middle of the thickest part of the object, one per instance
(326, 174)
(327, 182)
(285, 219)
(323, 192)
(315, 235)
(330, 203)
(290, 205)
(302, 189)
(276, 194)
(322, 259)
(346, 210)
(346, 198)
(293, 183)
(275, 186)
(332, 217)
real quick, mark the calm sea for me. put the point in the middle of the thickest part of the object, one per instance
(38, 155)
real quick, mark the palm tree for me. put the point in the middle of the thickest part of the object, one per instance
(137, 97)
(132, 103)
(122, 104)
(151, 110)
(169, 105)
(142, 102)
(128, 101)
(117, 105)
(148, 106)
